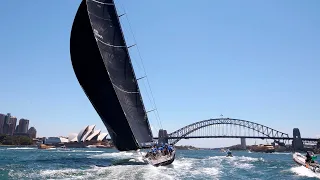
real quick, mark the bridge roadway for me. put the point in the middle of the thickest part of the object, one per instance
(247, 137)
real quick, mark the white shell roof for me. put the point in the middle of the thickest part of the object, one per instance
(81, 133)
(73, 137)
(102, 136)
(94, 134)
(88, 133)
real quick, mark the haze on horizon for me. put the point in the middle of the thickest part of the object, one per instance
(250, 60)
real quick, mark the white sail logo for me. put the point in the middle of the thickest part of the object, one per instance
(96, 33)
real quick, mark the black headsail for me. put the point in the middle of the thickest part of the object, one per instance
(102, 65)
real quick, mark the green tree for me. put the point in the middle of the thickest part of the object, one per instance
(2, 137)
(15, 140)
(24, 140)
(8, 140)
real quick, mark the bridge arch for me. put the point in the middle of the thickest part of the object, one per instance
(264, 131)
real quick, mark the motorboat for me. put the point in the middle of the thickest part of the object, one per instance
(266, 148)
(44, 146)
(91, 146)
(229, 154)
(301, 160)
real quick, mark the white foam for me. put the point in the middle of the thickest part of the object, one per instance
(206, 168)
(211, 171)
(248, 159)
(182, 164)
(236, 158)
(21, 148)
(152, 172)
(78, 151)
(120, 155)
(239, 162)
(93, 151)
(284, 153)
(303, 171)
(243, 165)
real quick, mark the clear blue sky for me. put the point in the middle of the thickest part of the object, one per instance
(253, 60)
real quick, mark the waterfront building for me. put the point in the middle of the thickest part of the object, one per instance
(5, 124)
(23, 126)
(12, 125)
(2, 118)
(9, 124)
(32, 132)
(55, 140)
(94, 135)
(102, 137)
(87, 134)
(73, 137)
(17, 129)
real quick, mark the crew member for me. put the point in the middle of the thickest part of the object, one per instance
(309, 158)
(170, 149)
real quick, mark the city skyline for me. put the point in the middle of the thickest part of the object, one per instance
(9, 126)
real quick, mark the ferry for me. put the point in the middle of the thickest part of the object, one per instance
(262, 148)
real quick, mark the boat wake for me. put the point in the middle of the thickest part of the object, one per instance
(121, 168)
(118, 155)
(21, 148)
(302, 171)
(238, 162)
(129, 165)
(87, 164)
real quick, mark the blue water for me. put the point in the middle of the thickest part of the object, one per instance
(31, 163)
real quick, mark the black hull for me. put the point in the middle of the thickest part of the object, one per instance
(93, 77)
(165, 163)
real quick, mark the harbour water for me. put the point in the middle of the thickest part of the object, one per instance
(31, 163)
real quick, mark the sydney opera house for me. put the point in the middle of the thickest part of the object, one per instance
(87, 136)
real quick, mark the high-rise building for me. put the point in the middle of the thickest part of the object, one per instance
(17, 129)
(9, 124)
(32, 132)
(6, 123)
(23, 126)
(2, 118)
(12, 125)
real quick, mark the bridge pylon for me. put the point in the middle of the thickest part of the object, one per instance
(163, 137)
(297, 143)
(243, 143)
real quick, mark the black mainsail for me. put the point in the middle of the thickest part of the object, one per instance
(102, 65)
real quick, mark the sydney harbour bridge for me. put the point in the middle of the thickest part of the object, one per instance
(233, 128)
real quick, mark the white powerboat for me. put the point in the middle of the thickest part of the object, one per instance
(301, 160)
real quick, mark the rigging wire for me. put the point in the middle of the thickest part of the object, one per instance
(156, 112)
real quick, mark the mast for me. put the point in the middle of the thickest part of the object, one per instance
(103, 67)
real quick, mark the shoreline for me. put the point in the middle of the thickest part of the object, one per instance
(2, 145)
